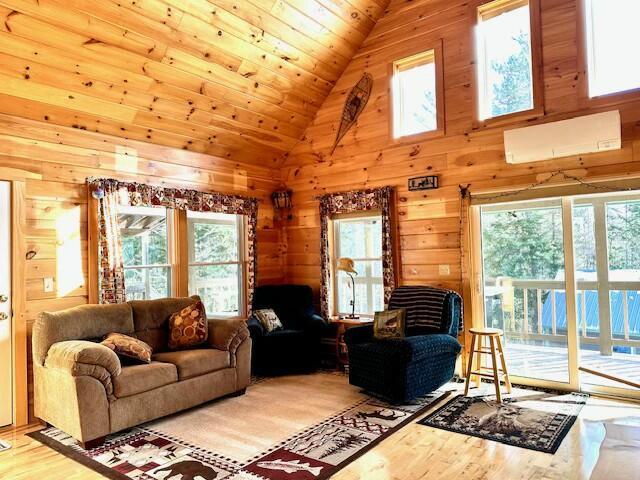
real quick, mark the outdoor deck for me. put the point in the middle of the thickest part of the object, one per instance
(551, 363)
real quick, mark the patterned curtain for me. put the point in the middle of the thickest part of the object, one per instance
(137, 194)
(347, 202)
(110, 266)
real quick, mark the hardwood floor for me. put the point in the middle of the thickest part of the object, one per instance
(418, 452)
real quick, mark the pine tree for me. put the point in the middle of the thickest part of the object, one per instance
(513, 93)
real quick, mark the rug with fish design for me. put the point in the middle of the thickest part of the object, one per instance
(300, 427)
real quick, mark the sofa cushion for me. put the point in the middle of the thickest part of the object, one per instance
(142, 378)
(188, 327)
(128, 348)
(151, 319)
(268, 319)
(191, 363)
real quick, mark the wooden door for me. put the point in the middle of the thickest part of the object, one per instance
(6, 368)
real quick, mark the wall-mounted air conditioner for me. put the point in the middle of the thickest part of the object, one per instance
(587, 134)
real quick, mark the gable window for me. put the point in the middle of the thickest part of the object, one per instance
(611, 28)
(415, 95)
(504, 58)
(216, 261)
(145, 252)
(360, 239)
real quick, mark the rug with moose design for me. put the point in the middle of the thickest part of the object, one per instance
(303, 427)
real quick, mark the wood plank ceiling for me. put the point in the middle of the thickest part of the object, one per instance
(238, 79)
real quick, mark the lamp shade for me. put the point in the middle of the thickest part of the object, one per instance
(346, 265)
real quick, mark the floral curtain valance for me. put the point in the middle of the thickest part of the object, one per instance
(110, 193)
(355, 201)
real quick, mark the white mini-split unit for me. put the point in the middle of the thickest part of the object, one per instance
(587, 134)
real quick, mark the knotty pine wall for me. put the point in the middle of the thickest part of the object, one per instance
(429, 221)
(56, 160)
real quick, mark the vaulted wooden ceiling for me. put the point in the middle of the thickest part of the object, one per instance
(239, 79)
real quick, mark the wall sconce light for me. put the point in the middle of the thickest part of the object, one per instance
(282, 201)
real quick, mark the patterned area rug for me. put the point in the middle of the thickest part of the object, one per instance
(528, 419)
(204, 444)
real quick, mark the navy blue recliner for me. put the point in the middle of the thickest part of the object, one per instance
(294, 348)
(400, 370)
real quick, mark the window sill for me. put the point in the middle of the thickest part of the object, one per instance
(610, 99)
(418, 137)
(510, 118)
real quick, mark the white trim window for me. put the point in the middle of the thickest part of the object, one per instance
(505, 71)
(415, 95)
(359, 238)
(145, 252)
(611, 29)
(216, 261)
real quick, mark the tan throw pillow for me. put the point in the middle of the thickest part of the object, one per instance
(268, 319)
(128, 347)
(389, 324)
(188, 327)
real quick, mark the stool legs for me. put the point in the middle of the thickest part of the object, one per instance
(470, 366)
(503, 362)
(494, 365)
(498, 371)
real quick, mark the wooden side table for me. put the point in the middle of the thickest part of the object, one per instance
(494, 349)
(343, 324)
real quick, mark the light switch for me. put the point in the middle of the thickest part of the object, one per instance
(48, 285)
(444, 270)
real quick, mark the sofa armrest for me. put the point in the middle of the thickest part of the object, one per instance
(83, 358)
(255, 327)
(316, 325)
(360, 334)
(227, 334)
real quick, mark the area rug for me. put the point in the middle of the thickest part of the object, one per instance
(287, 428)
(527, 419)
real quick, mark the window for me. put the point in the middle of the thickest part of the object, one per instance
(611, 31)
(504, 58)
(415, 105)
(216, 261)
(145, 252)
(359, 238)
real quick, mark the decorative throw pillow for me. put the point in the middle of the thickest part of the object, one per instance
(389, 324)
(128, 348)
(268, 319)
(188, 327)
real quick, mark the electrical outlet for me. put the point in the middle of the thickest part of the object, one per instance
(444, 270)
(48, 285)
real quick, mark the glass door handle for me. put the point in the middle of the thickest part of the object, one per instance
(3, 316)
(3, 299)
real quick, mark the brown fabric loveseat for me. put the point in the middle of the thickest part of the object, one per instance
(82, 388)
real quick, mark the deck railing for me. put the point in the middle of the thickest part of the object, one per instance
(518, 324)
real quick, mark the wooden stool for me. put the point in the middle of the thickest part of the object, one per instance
(494, 335)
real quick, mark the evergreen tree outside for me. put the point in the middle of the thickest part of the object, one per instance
(513, 93)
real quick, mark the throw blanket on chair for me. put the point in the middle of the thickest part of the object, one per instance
(424, 306)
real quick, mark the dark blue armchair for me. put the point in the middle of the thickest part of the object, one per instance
(294, 348)
(402, 369)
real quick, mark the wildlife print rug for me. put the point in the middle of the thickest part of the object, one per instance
(252, 437)
(536, 420)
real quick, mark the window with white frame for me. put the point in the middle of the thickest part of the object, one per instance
(611, 28)
(358, 238)
(504, 58)
(145, 252)
(414, 95)
(216, 261)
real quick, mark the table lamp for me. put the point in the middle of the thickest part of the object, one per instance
(347, 265)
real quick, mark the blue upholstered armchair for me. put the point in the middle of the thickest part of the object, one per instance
(402, 369)
(295, 347)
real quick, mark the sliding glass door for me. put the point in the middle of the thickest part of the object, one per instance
(561, 277)
(524, 287)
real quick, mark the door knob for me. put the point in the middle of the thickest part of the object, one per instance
(3, 316)
(3, 299)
